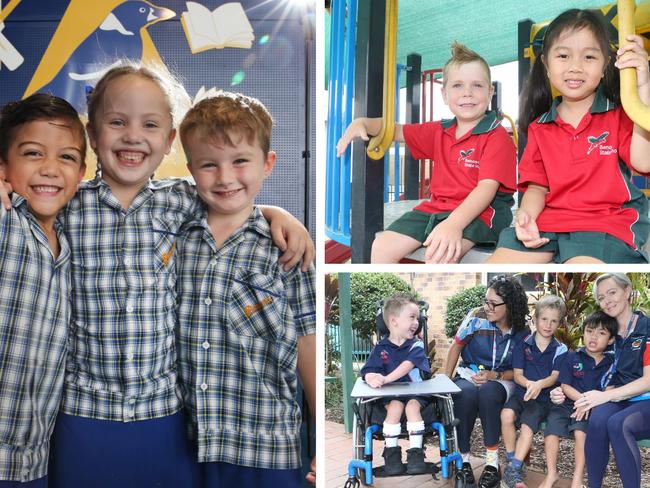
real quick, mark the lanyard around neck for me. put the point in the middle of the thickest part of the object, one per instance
(607, 377)
(494, 351)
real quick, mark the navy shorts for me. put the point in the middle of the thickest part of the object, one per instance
(218, 475)
(106, 454)
(531, 413)
(422, 400)
(560, 423)
(39, 483)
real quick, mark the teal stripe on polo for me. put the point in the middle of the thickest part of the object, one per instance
(490, 121)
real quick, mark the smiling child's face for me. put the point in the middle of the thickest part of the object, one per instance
(44, 166)
(467, 91)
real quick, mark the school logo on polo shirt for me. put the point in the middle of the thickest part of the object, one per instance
(599, 142)
(384, 356)
(464, 158)
(528, 353)
(636, 345)
(578, 370)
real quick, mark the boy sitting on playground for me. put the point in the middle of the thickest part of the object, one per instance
(245, 324)
(536, 361)
(400, 358)
(581, 371)
(474, 169)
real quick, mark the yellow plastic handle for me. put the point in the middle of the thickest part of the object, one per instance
(634, 107)
(379, 144)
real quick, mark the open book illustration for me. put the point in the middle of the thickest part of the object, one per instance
(226, 26)
(9, 55)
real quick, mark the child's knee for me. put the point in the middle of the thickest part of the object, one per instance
(412, 408)
(508, 416)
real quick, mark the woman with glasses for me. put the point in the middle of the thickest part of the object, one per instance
(621, 413)
(485, 372)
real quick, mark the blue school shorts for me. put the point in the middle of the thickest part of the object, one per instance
(94, 453)
(39, 483)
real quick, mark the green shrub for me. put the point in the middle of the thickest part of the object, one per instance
(459, 304)
(334, 400)
(366, 289)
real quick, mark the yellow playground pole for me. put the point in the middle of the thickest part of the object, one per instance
(634, 107)
(382, 141)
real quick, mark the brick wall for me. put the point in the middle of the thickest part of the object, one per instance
(436, 288)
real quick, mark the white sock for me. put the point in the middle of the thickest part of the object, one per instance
(415, 440)
(465, 456)
(492, 457)
(391, 430)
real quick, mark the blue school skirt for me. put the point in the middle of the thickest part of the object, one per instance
(106, 454)
(225, 475)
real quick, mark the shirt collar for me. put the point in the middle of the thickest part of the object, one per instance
(255, 223)
(600, 104)
(490, 121)
(530, 340)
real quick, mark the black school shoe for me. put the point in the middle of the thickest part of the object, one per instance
(415, 461)
(466, 474)
(393, 461)
(490, 477)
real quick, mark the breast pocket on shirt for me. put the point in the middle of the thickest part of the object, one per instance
(256, 305)
(165, 235)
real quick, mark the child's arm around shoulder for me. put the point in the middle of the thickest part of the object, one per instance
(290, 236)
(362, 128)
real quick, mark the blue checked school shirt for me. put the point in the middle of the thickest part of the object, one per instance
(240, 316)
(122, 359)
(34, 315)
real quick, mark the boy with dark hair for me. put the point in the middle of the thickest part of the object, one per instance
(42, 157)
(581, 371)
(246, 326)
(399, 357)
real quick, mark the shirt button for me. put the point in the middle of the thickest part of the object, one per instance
(129, 308)
(127, 261)
(131, 413)
(129, 356)
(206, 345)
(151, 281)
(132, 401)
(208, 301)
(204, 386)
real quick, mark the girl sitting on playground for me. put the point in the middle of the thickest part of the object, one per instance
(473, 175)
(580, 204)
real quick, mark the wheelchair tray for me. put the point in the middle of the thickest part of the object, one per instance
(439, 384)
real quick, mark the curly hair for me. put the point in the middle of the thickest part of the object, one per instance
(514, 296)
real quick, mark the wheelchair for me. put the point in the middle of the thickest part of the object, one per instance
(438, 416)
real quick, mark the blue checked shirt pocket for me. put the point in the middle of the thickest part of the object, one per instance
(164, 250)
(257, 305)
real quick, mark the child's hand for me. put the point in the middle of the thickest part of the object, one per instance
(527, 231)
(590, 399)
(633, 55)
(356, 129)
(444, 243)
(292, 238)
(557, 396)
(533, 388)
(5, 190)
(375, 380)
(311, 476)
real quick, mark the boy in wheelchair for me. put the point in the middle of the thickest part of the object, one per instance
(400, 357)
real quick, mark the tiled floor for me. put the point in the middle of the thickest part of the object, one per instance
(338, 452)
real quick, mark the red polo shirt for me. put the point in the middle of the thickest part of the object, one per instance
(587, 172)
(486, 152)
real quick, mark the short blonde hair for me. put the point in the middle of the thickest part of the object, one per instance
(215, 117)
(461, 54)
(553, 302)
(396, 303)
